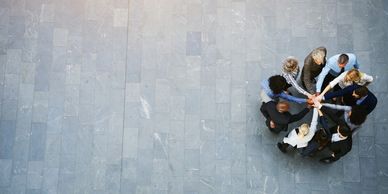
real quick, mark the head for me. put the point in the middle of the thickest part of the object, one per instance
(358, 115)
(360, 92)
(304, 129)
(353, 75)
(283, 106)
(277, 84)
(343, 60)
(290, 64)
(318, 56)
(343, 130)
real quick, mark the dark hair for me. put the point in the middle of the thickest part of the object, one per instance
(362, 91)
(358, 115)
(343, 58)
(344, 130)
(277, 83)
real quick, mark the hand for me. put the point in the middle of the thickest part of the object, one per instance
(319, 98)
(310, 101)
(272, 124)
(317, 93)
(317, 104)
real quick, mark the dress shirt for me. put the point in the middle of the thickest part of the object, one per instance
(333, 68)
(268, 91)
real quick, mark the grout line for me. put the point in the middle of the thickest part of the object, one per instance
(125, 92)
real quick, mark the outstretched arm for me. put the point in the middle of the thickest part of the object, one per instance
(296, 86)
(321, 77)
(343, 92)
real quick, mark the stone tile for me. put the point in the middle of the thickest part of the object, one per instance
(193, 43)
(7, 137)
(37, 141)
(6, 172)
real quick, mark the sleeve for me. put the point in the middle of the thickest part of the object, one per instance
(332, 115)
(346, 90)
(342, 152)
(298, 116)
(323, 121)
(292, 98)
(337, 107)
(307, 75)
(265, 86)
(338, 79)
(296, 86)
(264, 111)
(367, 78)
(313, 125)
(356, 65)
(321, 77)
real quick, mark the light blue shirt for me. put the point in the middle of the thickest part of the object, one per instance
(268, 91)
(359, 101)
(333, 68)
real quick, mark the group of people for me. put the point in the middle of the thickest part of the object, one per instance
(335, 89)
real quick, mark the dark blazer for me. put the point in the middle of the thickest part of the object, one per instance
(369, 103)
(281, 120)
(311, 70)
(340, 148)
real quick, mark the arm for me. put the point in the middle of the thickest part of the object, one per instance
(334, 83)
(298, 116)
(324, 123)
(329, 112)
(347, 90)
(321, 77)
(342, 151)
(367, 78)
(264, 111)
(337, 107)
(265, 85)
(307, 74)
(296, 86)
(313, 125)
(292, 98)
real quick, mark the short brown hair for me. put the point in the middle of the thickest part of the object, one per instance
(362, 91)
(343, 59)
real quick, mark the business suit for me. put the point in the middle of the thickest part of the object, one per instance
(311, 70)
(369, 103)
(281, 120)
(339, 148)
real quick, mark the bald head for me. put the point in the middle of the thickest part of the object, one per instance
(282, 107)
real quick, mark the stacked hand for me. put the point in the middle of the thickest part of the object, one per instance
(314, 100)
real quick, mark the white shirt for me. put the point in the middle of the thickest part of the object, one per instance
(294, 140)
(340, 80)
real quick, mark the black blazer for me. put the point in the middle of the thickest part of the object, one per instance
(281, 120)
(340, 148)
(369, 103)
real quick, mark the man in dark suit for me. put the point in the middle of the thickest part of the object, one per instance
(340, 143)
(355, 95)
(278, 117)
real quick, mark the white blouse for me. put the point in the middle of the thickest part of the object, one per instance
(294, 140)
(340, 80)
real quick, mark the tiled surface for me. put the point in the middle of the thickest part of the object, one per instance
(162, 96)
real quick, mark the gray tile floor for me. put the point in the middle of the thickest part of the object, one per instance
(161, 96)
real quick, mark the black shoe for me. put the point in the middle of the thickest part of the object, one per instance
(281, 148)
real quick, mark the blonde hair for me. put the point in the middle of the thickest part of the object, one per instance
(318, 55)
(304, 129)
(353, 75)
(290, 64)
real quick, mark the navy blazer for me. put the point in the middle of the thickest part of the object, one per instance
(369, 103)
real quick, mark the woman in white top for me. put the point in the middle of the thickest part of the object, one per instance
(290, 72)
(347, 78)
(299, 137)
